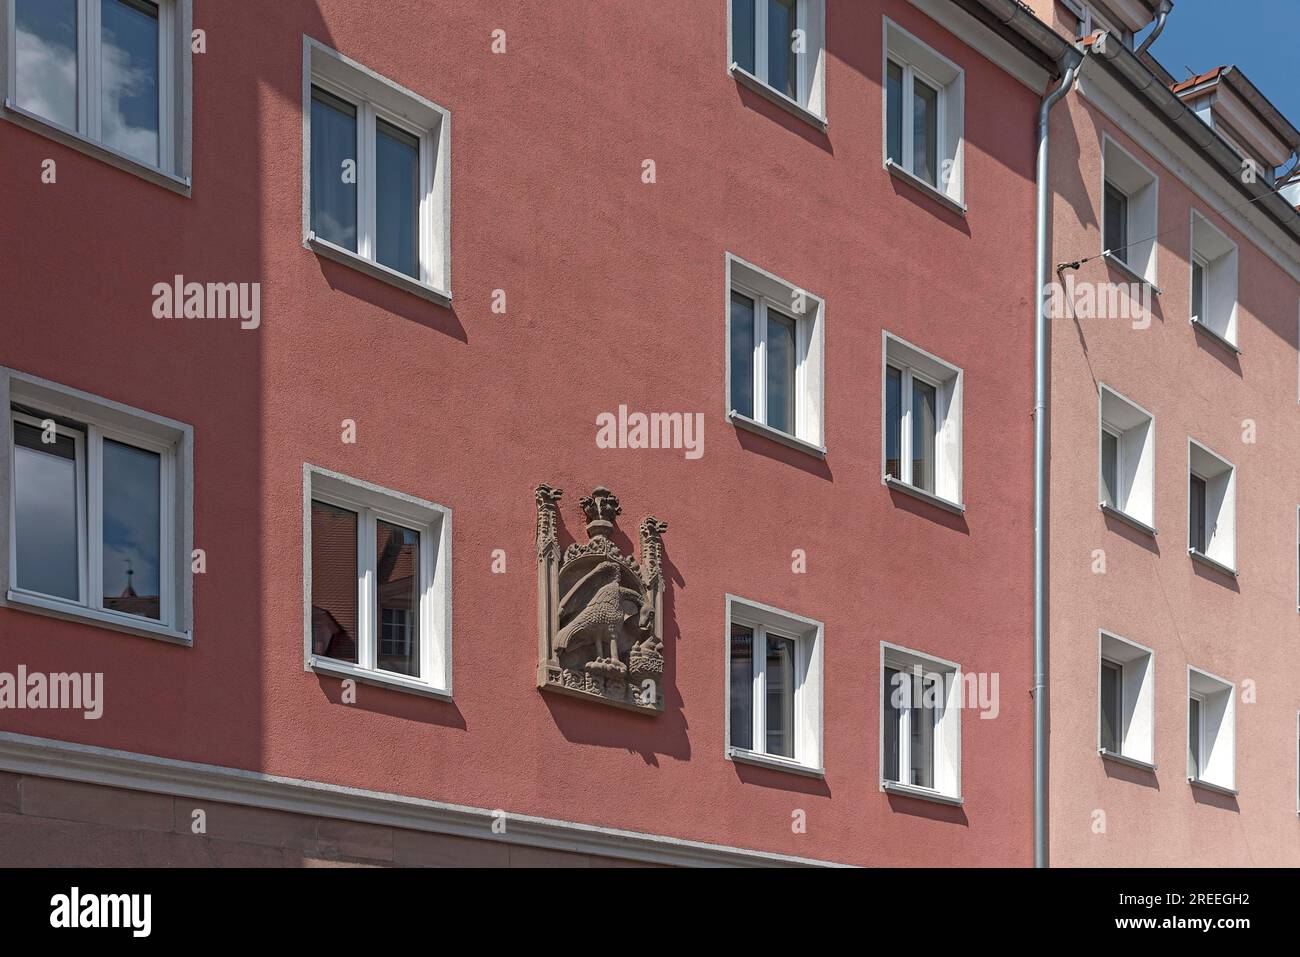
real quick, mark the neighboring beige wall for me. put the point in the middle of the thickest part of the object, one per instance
(1152, 593)
(1054, 15)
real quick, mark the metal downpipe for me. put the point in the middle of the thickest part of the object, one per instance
(1159, 28)
(1041, 366)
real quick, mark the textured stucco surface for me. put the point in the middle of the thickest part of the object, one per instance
(615, 295)
(1152, 593)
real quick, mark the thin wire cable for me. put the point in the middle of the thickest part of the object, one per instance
(1221, 212)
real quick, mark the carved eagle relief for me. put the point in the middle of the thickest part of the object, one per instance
(601, 612)
(598, 609)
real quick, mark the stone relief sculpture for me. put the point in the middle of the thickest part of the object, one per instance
(599, 612)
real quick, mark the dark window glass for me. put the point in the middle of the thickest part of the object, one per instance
(46, 508)
(46, 60)
(780, 371)
(394, 633)
(923, 714)
(397, 212)
(1110, 467)
(1110, 707)
(1198, 291)
(132, 529)
(781, 72)
(925, 132)
(333, 582)
(742, 687)
(397, 578)
(333, 169)
(1196, 516)
(1194, 737)
(742, 354)
(923, 432)
(896, 695)
(893, 422)
(129, 70)
(742, 34)
(894, 112)
(1115, 214)
(779, 678)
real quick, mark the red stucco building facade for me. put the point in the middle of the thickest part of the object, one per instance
(607, 171)
(479, 434)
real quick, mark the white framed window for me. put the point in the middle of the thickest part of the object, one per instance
(100, 509)
(111, 75)
(377, 183)
(779, 47)
(924, 113)
(1127, 456)
(1129, 212)
(920, 724)
(378, 598)
(1213, 294)
(1211, 731)
(774, 687)
(1126, 701)
(775, 356)
(921, 409)
(1090, 21)
(1211, 508)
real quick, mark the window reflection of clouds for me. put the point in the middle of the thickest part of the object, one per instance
(47, 59)
(130, 77)
(47, 78)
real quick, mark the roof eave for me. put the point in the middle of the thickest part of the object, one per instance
(1167, 104)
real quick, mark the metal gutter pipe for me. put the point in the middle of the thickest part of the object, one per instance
(1042, 360)
(1160, 25)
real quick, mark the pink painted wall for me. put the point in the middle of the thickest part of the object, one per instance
(1152, 592)
(615, 296)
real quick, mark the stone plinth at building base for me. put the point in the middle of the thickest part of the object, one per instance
(51, 823)
(74, 805)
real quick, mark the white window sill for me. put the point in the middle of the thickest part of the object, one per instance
(921, 794)
(323, 247)
(1226, 343)
(1210, 562)
(1216, 788)
(129, 624)
(82, 144)
(748, 80)
(1128, 519)
(1125, 759)
(928, 497)
(1129, 271)
(382, 679)
(768, 761)
(898, 172)
(776, 435)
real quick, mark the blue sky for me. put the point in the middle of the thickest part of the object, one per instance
(1259, 36)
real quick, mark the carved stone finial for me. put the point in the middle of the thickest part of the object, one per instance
(547, 500)
(601, 508)
(652, 548)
